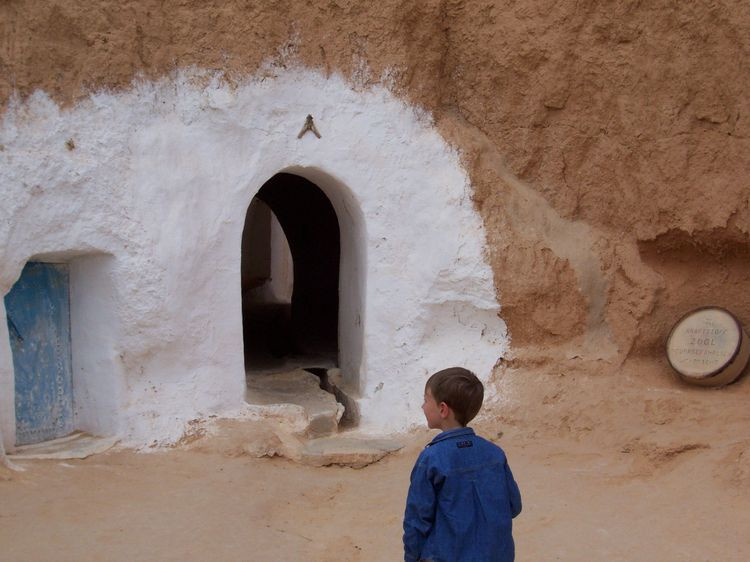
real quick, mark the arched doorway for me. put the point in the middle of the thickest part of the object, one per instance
(290, 277)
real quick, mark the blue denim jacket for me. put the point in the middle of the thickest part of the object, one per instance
(461, 502)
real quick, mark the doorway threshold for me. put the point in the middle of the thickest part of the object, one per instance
(269, 365)
(77, 445)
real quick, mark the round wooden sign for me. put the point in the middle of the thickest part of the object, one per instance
(709, 347)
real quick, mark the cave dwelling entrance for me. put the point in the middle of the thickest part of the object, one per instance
(301, 305)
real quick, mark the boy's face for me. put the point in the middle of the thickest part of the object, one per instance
(431, 411)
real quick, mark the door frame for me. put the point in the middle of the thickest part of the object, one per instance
(95, 327)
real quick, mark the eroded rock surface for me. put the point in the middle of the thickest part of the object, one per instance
(629, 119)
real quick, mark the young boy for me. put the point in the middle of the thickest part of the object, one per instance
(462, 496)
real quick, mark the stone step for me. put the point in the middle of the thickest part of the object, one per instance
(299, 420)
(346, 449)
(295, 397)
(77, 445)
(356, 452)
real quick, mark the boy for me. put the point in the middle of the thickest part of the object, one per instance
(462, 496)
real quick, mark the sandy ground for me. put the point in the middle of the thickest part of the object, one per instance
(212, 502)
(627, 464)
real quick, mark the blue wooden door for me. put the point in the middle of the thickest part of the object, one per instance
(38, 314)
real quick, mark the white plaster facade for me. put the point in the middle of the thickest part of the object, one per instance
(148, 209)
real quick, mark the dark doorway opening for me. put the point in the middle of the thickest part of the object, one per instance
(290, 277)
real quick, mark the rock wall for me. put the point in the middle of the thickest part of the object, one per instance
(607, 142)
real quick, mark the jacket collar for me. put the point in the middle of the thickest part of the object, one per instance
(451, 433)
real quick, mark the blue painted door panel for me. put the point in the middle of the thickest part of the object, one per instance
(38, 314)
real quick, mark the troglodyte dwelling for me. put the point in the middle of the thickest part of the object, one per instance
(198, 194)
(144, 225)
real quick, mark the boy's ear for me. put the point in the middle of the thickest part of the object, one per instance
(445, 410)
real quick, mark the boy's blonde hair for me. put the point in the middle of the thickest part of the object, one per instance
(460, 389)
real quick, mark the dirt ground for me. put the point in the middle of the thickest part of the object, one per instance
(671, 484)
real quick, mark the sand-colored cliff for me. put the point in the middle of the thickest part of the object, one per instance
(607, 142)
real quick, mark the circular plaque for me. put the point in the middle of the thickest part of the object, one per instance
(708, 347)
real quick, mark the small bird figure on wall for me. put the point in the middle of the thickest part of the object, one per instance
(308, 126)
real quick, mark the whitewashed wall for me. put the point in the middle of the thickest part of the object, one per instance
(149, 208)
